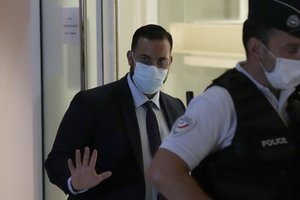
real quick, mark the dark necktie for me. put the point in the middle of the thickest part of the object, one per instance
(152, 129)
(153, 134)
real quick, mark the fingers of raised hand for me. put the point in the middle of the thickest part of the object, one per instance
(86, 156)
(87, 160)
(71, 166)
(93, 159)
(77, 158)
(104, 175)
(83, 170)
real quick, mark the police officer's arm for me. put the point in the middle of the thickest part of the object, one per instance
(170, 175)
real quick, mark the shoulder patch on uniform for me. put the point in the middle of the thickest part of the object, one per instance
(184, 124)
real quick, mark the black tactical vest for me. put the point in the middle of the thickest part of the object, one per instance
(262, 163)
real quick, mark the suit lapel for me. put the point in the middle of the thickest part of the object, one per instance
(125, 99)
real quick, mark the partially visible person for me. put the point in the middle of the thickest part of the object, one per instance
(238, 138)
(101, 150)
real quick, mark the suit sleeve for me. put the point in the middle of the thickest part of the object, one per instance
(73, 133)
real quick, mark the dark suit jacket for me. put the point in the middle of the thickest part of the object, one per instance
(104, 118)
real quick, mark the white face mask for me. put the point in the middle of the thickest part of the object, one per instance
(286, 73)
(148, 78)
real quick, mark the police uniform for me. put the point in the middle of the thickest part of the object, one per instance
(237, 137)
(209, 122)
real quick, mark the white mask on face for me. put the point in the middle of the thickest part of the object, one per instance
(286, 73)
(148, 78)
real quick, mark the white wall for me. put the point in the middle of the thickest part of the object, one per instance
(20, 101)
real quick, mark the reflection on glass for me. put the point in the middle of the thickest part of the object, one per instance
(207, 40)
(212, 10)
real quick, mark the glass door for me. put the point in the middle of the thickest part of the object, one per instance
(62, 64)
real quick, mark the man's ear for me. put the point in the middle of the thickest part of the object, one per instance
(171, 59)
(130, 58)
(255, 49)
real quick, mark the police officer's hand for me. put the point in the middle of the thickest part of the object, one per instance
(83, 173)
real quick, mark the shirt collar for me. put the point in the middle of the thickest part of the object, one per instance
(260, 86)
(284, 94)
(240, 69)
(138, 97)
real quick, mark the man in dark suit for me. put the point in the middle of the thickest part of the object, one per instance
(111, 120)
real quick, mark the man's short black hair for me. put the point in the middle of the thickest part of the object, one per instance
(151, 32)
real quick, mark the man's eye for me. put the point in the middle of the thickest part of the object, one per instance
(144, 60)
(162, 62)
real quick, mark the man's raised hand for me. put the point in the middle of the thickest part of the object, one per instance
(83, 173)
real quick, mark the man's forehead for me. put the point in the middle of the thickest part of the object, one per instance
(279, 35)
(148, 45)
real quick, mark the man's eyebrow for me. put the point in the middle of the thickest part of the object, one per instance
(145, 55)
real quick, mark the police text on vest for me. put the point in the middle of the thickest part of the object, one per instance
(274, 141)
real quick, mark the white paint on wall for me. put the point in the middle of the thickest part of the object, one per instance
(20, 101)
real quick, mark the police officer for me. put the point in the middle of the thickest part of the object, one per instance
(237, 138)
